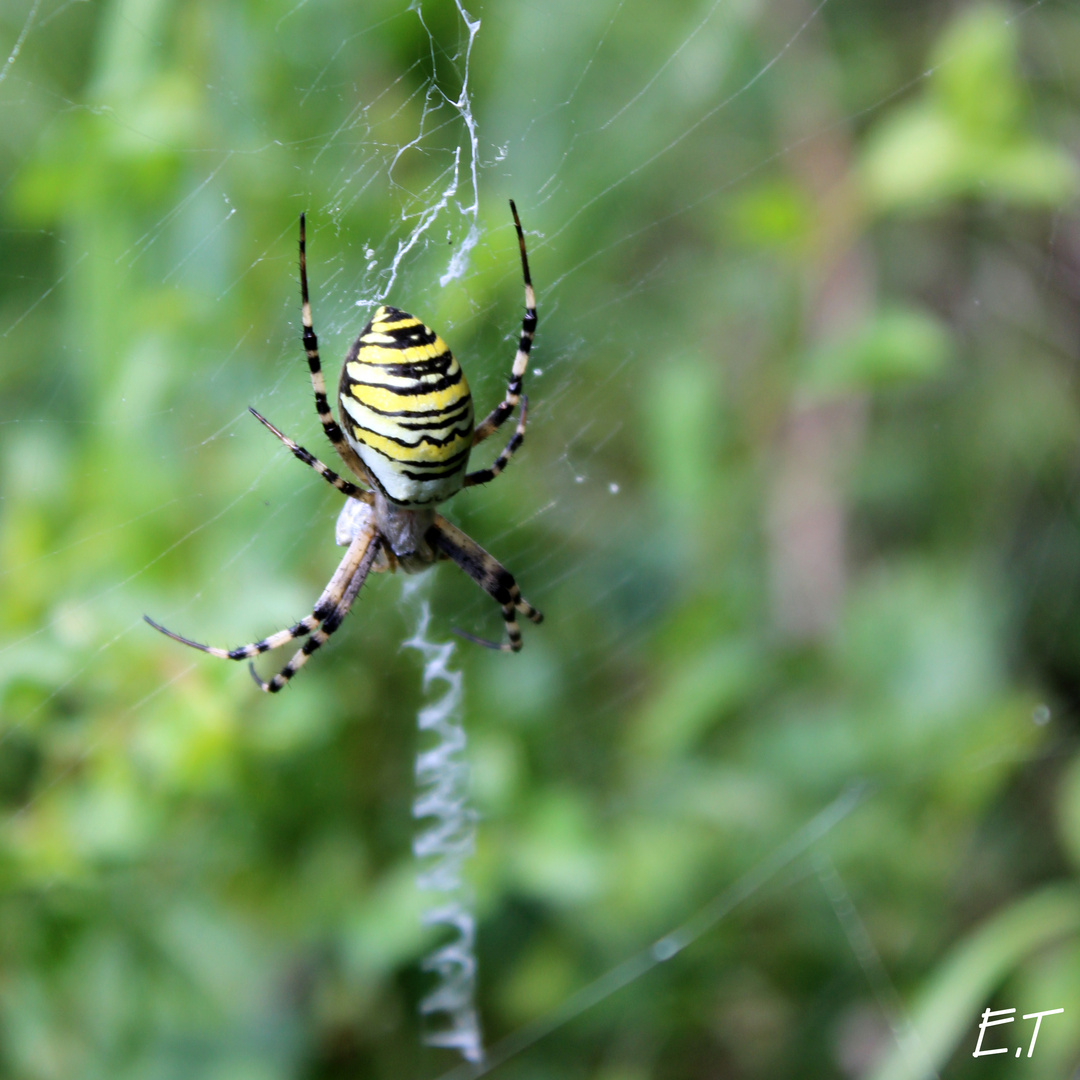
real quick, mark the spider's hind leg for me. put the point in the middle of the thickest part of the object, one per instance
(484, 476)
(318, 383)
(501, 413)
(308, 458)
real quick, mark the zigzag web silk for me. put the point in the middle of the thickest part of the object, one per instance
(442, 775)
(446, 823)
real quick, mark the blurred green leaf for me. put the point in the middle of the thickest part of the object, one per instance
(1069, 812)
(897, 346)
(771, 214)
(694, 697)
(965, 135)
(949, 1005)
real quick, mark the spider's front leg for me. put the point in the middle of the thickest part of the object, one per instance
(367, 545)
(490, 575)
(326, 616)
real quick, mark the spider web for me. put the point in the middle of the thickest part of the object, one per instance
(405, 178)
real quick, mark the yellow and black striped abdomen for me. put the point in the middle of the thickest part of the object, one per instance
(406, 409)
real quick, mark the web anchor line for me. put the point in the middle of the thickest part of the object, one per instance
(442, 775)
(672, 943)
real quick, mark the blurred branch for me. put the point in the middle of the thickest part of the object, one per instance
(807, 523)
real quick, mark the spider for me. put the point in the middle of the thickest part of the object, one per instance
(406, 432)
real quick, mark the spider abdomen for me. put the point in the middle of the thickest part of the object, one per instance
(406, 409)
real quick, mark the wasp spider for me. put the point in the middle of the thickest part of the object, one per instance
(406, 432)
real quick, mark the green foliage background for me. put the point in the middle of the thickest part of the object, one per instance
(799, 500)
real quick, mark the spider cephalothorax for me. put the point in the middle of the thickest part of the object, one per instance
(406, 432)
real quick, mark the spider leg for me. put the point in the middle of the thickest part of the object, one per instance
(483, 476)
(498, 416)
(489, 574)
(483, 641)
(368, 544)
(318, 383)
(324, 608)
(243, 652)
(308, 458)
